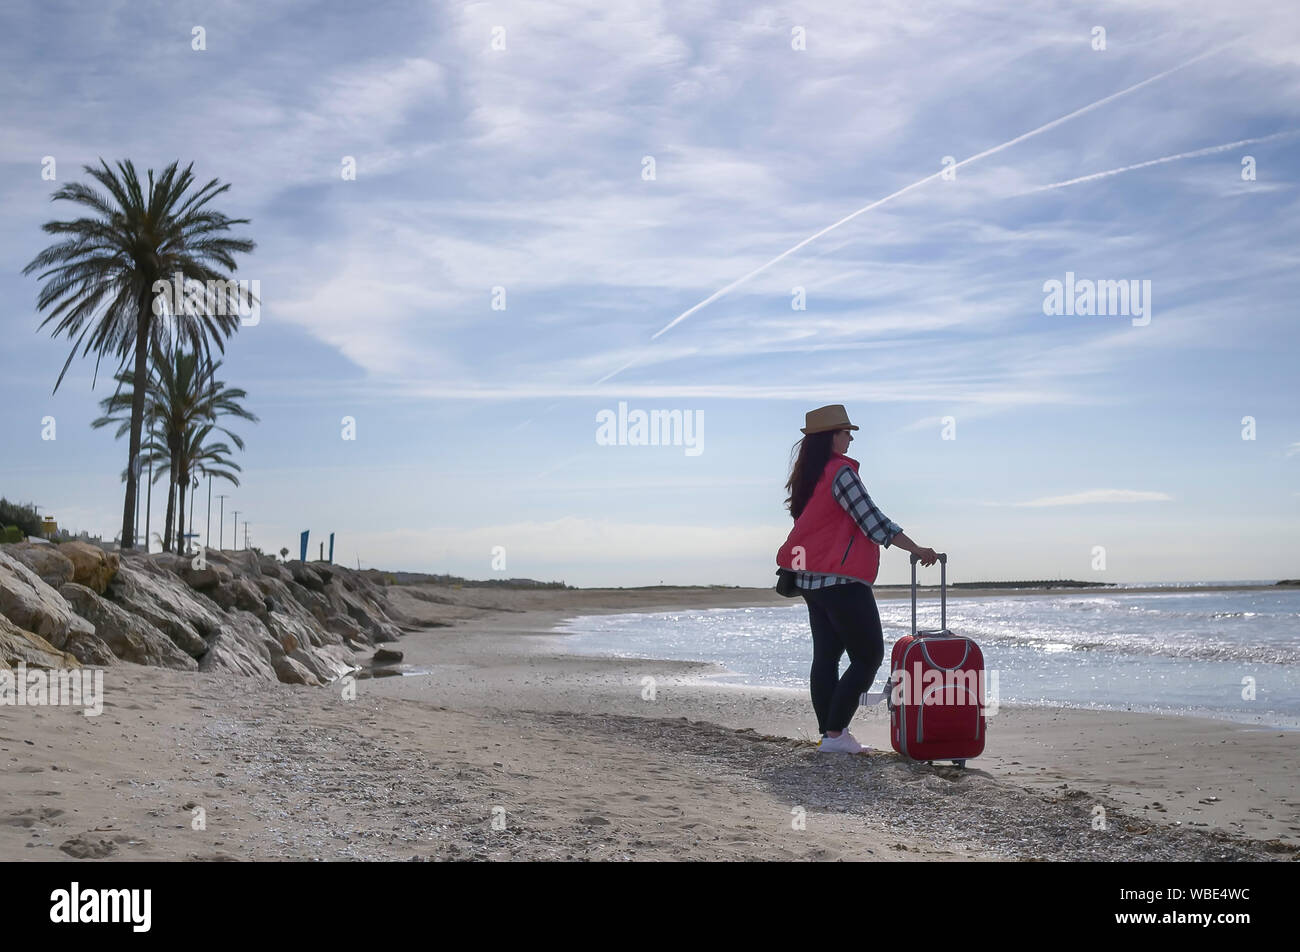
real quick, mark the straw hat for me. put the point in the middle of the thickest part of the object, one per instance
(833, 417)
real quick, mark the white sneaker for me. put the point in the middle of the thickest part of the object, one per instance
(846, 743)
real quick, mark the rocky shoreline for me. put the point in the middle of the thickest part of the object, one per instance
(74, 604)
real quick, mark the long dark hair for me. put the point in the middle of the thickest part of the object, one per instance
(810, 456)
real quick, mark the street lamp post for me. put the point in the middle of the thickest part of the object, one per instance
(207, 533)
(221, 522)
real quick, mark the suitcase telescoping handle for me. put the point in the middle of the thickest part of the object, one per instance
(943, 593)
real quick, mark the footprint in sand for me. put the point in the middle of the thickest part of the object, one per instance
(86, 847)
(30, 817)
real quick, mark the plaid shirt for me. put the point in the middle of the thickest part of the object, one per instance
(852, 496)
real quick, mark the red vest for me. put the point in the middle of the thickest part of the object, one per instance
(825, 538)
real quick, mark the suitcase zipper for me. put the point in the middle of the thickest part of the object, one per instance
(846, 551)
(920, 714)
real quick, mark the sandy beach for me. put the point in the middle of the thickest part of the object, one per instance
(506, 747)
(324, 443)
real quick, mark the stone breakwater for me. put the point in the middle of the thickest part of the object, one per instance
(297, 622)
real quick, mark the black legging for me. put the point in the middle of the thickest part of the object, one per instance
(843, 618)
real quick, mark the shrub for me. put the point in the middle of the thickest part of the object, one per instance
(22, 517)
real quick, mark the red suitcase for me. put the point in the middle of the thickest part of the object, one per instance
(935, 690)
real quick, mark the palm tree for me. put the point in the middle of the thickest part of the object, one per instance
(103, 279)
(183, 395)
(189, 395)
(153, 452)
(198, 455)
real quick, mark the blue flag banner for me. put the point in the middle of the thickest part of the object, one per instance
(303, 548)
(331, 548)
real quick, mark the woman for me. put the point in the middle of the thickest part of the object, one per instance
(834, 550)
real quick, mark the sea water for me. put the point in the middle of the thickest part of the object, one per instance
(1233, 655)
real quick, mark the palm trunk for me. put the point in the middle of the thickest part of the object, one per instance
(182, 543)
(173, 489)
(141, 382)
(171, 514)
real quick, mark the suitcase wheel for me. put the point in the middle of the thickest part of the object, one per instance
(959, 763)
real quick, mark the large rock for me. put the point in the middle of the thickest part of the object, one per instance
(208, 579)
(327, 663)
(242, 647)
(245, 562)
(273, 569)
(79, 630)
(285, 606)
(167, 603)
(290, 671)
(304, 575)
(19, 646)
(347, 628)
(128, 636)
(91, 565)
(31, 604)
(241, 594)
(284, 650)
(89, 648)
(165, 564)
(291, 633)
(368, 615)
(315, 603)
(50, 565)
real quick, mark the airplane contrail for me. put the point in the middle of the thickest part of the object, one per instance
(1210, 150)
(902, 191)
(615, 373)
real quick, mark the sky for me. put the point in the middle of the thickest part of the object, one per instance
(542, 189)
